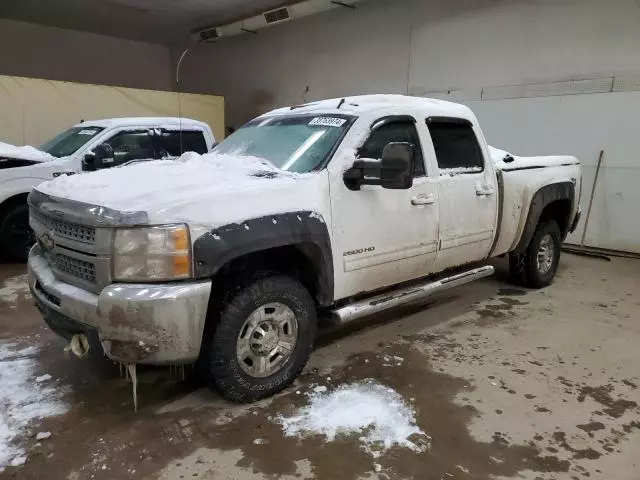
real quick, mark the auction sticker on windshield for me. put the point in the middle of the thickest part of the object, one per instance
(328, 121)
(87, 132)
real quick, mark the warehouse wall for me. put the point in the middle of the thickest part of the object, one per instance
(581, 125)
(416, 46)
(464, 50)
(30, 50)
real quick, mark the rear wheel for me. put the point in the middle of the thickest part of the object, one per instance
(536, 268)
(16, 236)
(262, 340)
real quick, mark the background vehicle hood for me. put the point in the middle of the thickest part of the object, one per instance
(208, 190)
(24, 153)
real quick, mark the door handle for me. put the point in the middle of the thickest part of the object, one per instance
(423, 199)
(484, 190)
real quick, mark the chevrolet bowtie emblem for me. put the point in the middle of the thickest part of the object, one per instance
(47, 242)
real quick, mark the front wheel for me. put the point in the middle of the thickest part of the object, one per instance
(16, 236)
(263, 339)
(536, 268)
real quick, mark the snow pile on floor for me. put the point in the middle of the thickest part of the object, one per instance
(376, 413)
(24, 153)
(12, 287)
(22, 400)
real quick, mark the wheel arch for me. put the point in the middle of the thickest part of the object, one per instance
(296, 244)
(11, 202)
(551, 202)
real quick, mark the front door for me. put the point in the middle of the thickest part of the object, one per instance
(467, 193)
(383, 237)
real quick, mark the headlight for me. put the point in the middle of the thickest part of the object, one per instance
(152, 253)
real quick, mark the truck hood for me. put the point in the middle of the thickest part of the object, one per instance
(208, 190)
(507, 161)
(21, 156)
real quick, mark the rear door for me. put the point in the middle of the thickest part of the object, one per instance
(467, 192)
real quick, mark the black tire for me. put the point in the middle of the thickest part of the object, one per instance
(219, 359)
(525, 268)
(16, 237)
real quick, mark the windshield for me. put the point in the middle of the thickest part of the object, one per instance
(299, 143)
(70, 141)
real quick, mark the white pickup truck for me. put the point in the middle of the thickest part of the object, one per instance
(120, 141)
(339, 208)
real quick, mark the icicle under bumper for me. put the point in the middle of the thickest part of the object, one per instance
(131, 368)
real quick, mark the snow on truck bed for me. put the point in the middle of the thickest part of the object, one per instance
(513, 162)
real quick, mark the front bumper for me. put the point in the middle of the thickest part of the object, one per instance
(135, 323)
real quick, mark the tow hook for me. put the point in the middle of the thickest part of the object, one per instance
(79, 346)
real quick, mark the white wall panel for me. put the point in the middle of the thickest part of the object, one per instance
(581, 125)
(420, 46)
(561, 54)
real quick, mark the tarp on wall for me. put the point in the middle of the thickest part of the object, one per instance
(34, 110)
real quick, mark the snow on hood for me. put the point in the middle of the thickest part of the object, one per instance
(508, 161)
(24, 153)
(211, 189)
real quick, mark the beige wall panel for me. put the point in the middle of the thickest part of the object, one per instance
(34, 110)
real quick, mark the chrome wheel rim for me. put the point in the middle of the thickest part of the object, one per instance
(546, 253)
(267, 339)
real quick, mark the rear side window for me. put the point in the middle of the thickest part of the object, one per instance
(456, 145)
(192, 141)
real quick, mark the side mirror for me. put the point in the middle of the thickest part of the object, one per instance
(396, 166)
(102, 157)
(392, 171)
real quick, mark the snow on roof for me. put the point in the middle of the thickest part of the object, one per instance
(366, 103)
(141, 121)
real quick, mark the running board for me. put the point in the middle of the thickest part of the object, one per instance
(406, 295)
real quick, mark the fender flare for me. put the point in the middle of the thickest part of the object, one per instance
(303, 229)
(542, 198)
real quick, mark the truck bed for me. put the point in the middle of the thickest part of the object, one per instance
(521, 178)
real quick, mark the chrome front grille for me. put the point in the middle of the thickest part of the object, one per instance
(77, 253)
(72, 231)
(85, 271)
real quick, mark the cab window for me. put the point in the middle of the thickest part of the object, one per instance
(394, 131)
(456, 145)
(176, 142)
(131, 145)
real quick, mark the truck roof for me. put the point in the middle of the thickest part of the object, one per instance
(143, 121)
(360, 104)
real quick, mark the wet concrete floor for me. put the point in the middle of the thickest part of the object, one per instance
(506, 382)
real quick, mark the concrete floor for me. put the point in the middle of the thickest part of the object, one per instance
(507, 383)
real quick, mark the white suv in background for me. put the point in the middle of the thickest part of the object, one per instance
(88, 146)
